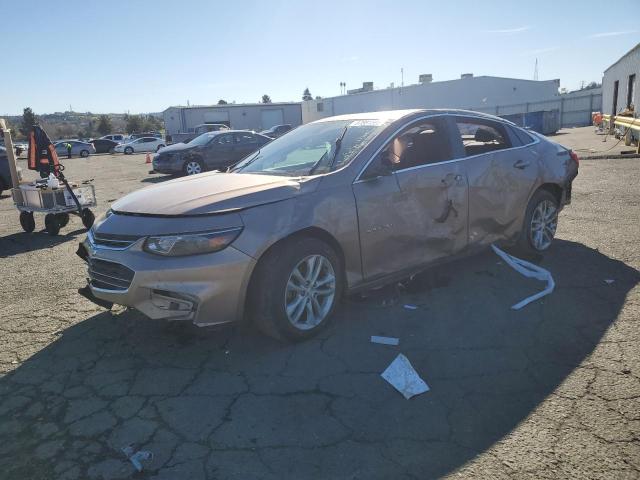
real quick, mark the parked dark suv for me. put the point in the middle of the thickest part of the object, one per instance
(209, 151)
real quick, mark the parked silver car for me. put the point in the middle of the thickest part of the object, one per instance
(78, 148)
(336, 206)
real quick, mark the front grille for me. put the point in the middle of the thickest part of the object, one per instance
(109, 275)
(112, 241)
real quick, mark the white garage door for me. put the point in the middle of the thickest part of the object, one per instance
(271, 117)
(216, 117)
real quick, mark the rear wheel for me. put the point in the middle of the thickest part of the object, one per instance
(51, 224)
(88, 218)
(193, 167)
(296, 289)
(540, 224)
(27, 222)
(128, 151)
(63, 219)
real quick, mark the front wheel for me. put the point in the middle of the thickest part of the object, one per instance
(540, 224)
(27, 221)
(193, 167)
(296, 289)
(128, 151)
(84, 153)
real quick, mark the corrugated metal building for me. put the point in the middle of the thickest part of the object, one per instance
(620, 83)
(244, 116)
(469, 92)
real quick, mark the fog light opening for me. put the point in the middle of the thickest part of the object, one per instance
(173, 302)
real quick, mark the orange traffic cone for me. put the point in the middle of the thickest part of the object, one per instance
(148, 160)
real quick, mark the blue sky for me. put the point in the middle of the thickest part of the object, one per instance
(142, 56)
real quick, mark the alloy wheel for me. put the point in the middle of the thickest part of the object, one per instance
(544, 222)
(310, 292)
(193, 168)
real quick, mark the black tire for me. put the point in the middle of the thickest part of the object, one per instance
(128, 150)
(187, 167)
(27, 222)
(63, 219)
(268, 288)
(88, 218)
(159, 147)
(84, 153)
(526, 246)
(51, 224)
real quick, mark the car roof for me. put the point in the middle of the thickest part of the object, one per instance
(392, 115)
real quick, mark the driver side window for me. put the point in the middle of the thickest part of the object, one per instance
(421, 143)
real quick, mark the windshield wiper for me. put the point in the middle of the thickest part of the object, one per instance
(338, 144)
(234, 167)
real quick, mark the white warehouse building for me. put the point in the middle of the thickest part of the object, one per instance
(619, 83)
(242, 116)
(484, 93)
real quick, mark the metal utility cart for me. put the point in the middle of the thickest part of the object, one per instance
(57, 203)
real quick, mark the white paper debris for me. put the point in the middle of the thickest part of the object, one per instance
(385, 340)
(609, 281)
(529, 270)
(404, 378)
(136, 457)
(410, 307)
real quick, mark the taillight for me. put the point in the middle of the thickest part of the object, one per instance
(574, 157)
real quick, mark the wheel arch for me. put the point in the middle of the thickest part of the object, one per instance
(553, 188)
(310, 232)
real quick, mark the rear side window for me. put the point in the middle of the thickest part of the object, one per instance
(522, 136)
(245, 138)
(481, 136)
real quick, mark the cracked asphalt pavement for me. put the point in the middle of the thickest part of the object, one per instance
(551, 391)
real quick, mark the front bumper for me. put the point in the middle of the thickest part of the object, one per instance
(207, 289)
(167, 165)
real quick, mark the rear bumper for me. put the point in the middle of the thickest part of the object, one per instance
(205, 289)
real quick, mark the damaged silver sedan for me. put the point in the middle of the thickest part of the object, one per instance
(335, 206)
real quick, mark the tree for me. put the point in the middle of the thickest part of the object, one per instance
(29, 119)
(222, 102)
(134, 123)
(152, 123)
(266, 98)
(104, 125)
(306, 95)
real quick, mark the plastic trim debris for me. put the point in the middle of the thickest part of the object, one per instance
(410, 307)
(529, 270)
(385, 340)
(137, 457)
(401, 375)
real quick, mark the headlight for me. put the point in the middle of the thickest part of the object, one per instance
(192, 243)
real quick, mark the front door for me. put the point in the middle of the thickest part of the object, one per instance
(220, 151)
(412, 201)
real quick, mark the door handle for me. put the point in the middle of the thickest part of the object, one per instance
(521, 164)
(450, 179)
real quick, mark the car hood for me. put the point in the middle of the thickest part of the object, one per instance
(210, 193)
(176, 147)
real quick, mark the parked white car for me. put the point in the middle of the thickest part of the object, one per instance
(116, 137)
(144, 144)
